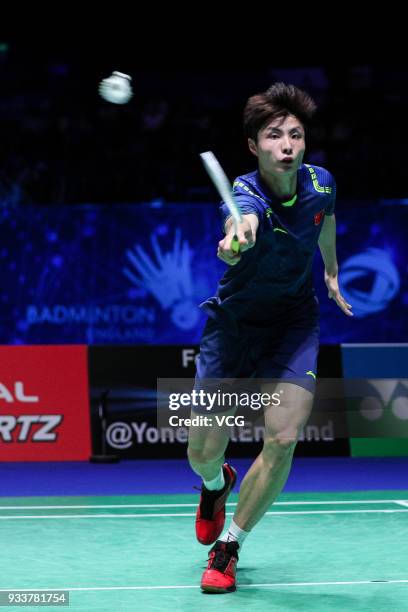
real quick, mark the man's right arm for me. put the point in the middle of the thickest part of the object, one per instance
(246, 233)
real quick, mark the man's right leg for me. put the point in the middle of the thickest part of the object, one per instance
(206, 448)
(222, 355)
(219, 358)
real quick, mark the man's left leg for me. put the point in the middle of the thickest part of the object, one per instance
(263, 482)
(268, 474)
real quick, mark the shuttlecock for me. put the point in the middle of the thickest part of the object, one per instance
(117, 88)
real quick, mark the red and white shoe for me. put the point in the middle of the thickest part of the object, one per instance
(219, 577)
(210, 517)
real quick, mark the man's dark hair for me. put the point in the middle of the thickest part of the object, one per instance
(279, 100)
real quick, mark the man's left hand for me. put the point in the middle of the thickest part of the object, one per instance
(332, 283)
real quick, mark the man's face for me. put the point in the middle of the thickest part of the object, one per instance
(280, 146)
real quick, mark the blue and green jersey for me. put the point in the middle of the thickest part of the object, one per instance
(276, 274)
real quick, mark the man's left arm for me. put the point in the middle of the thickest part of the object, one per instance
(327, 246)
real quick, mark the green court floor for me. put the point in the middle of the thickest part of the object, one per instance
(317, 552)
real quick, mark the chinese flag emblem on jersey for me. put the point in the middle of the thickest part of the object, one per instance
(318, 217)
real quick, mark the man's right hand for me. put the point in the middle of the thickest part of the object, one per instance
(246, 234)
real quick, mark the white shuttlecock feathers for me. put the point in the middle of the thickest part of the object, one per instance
(116, 88)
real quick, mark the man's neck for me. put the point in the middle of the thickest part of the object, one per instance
(283, 187)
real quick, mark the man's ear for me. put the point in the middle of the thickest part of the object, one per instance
(252, 147)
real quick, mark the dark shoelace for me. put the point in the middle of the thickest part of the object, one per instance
(223, 553)
(208, 500)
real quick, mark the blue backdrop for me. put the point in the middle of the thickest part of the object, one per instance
(135, 273)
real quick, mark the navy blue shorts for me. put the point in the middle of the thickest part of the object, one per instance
(287, 350)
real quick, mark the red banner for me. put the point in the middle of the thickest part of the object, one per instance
(44, 403)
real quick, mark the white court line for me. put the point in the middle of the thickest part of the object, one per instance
(194, 586)
(182, 505)
(161, 515)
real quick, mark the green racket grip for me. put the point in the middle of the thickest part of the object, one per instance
(235, 247)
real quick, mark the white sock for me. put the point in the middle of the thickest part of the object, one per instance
(234, 534)
(217, 483)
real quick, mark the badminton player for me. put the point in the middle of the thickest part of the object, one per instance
(264, 320)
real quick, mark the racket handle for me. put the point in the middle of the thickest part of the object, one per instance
(235, 244)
